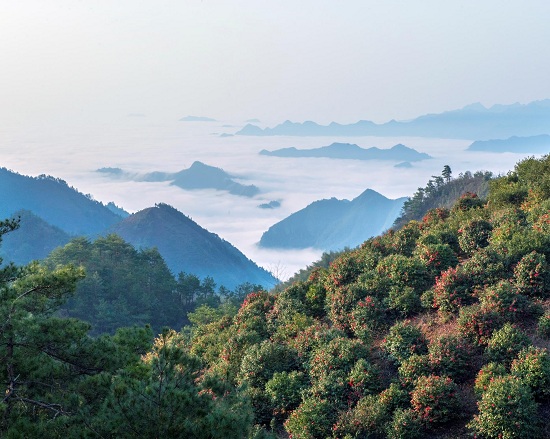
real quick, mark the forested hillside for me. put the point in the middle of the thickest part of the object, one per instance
(440, 329)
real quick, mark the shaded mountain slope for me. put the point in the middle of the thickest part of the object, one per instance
(333, 224)
(33, 240)
(54, 201)
(531, 144)
(187, 247)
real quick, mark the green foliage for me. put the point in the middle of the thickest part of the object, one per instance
(478, 323)
(486, 375)
(367, 317)
(543, 327)
(452, 290)
(338, 354)
(364, 379)
(507, 410)
(532, 366)
(413, 368)
(405, 424)
(531, 275)
(474, 235)
(284, 390)
(451, 355)
(435, 399)
(313, 419)
(505, 344)
(404, 340)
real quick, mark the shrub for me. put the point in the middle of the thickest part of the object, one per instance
(339, 354)
(487, 374)
(504, 299)
(532, 366)
(404, 340)
(505, 344)
(452, 290)
(478, 324)
(367, 316)
(333, 387)
(312, 419)
(531, 275)
(404, 300)
(403, 271)
(507, 410)
(543, 327)
(435, 399)
(413, 368)
(406, 424)
(364, 379)
(284, 390)
(474, 235)
(486, 266)
(367, 419)
(468, 201)
(437, 257)
(451, 355)
(404, 240)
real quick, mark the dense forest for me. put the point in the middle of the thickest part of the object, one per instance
(439, 328)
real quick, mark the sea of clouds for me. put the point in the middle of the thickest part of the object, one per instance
(142, 144)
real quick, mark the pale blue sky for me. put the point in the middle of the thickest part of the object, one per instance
(272, 60)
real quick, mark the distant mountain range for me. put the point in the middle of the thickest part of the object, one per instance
(532, 144)
(52, 213)
(351, 151)
(198, 176)
(333, 224)
(185, 246)
(471, 122)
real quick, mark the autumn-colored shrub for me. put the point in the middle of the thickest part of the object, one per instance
(478, 324)
(404, 340)
(532, 366)
(507, 410)
(452, 290)
(505, 299)
(486, 375)
(413, 368)
(437, 257)
(505, 344)
(531, 275)
(435, 399)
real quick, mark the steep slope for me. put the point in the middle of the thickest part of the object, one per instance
(33, 240)
(334, 224)
(54, 201)
(187, 247)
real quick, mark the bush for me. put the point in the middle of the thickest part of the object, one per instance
(504, 299)
(413, 368)
(435, 399)
(451, 355)
(367, 317)
(403, 341)
(364, 379)
(405, 424)
(403, 271)
(468, 201)
(532, 366)
(339, 354)
(311, 420)
(367, 419)
(531, 275)
(284, 390)
(543, 327)
(452, 290)
(437, 257)
(404, 300)
(478, 324)
(507, 410)
(474, 235)
(486, 375)
(505, 344)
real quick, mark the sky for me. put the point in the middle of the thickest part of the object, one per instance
(65, 60)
